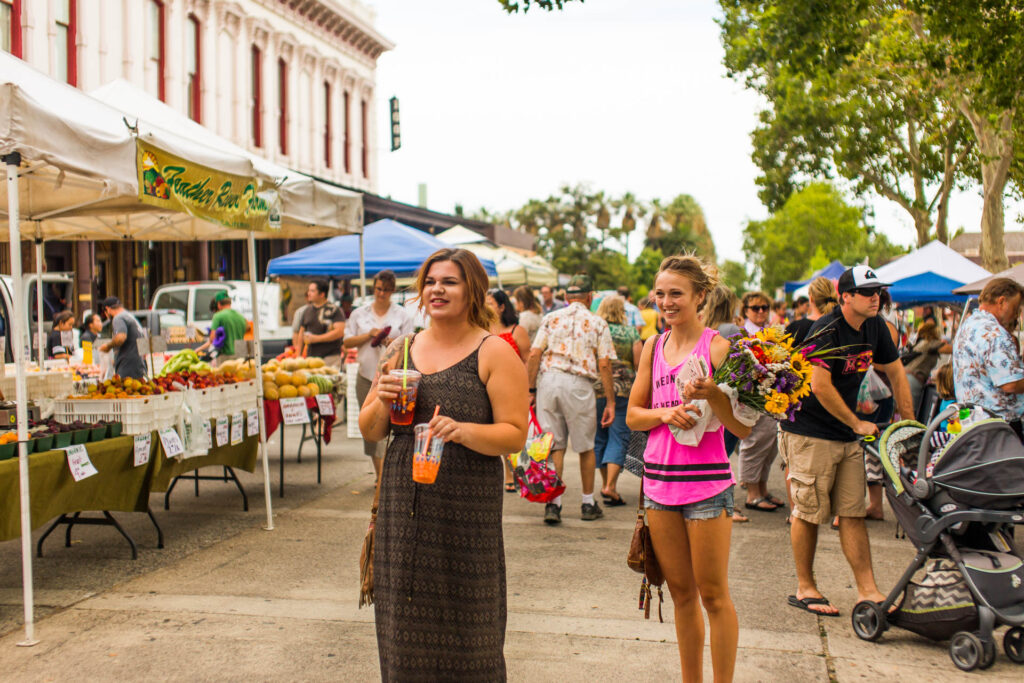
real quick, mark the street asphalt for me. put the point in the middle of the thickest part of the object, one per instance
(226, 600)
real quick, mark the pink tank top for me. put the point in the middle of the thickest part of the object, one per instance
(675, 474)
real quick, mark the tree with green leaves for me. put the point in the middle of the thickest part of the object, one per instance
(851, 90)
(815, 221)
(513, 6)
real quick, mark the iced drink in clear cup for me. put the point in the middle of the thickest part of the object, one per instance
(404, 405)
(426, 456)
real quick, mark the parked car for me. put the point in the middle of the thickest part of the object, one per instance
(195, 299)
(58, 295)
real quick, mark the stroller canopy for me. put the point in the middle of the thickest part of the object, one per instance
(983, 467)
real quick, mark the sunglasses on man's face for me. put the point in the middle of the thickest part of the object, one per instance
(757, 309)
(867, 292)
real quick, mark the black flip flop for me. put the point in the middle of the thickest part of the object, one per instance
(756, 505)
(806, 603)
(510, 487)
(614, 502)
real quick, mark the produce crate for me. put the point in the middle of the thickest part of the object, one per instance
(136, 415)
(40, 385)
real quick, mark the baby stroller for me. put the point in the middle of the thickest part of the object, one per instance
(957, 503)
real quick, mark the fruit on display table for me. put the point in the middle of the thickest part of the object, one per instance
(117, 387)
(292, 377)
(185, 360)
(177, 381)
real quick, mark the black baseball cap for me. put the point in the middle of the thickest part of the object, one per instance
(859, 277)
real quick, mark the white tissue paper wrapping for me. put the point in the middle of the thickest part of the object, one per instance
(706, 420)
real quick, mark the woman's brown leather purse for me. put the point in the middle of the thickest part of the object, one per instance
(641, 559)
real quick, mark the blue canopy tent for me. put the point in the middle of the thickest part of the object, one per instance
(925, 288)
(832, 271)
(387, 244)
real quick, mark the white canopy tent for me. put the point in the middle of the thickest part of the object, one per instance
(933, 257)
(71, 174)
(513, 268)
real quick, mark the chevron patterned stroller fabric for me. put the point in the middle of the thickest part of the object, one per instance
(939, 604)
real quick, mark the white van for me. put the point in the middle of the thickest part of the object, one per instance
(58, 295)
(196, 299)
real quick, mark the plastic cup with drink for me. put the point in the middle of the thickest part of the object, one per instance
(426, 458)
(404, 405)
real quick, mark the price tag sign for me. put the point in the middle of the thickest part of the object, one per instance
(171, 441)
(253, 427)
(325, 403)
(222, 430)
(293, 411)
(78, 462)
(143, 443)
(237, 428)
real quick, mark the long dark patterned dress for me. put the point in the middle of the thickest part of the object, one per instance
(439, 560)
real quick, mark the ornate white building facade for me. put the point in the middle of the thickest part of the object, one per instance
(292, 80)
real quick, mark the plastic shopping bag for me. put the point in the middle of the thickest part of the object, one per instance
(197, 433)
(872, 390)
(533, 470)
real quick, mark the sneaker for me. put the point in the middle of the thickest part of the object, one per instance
(552, 514)
(591, 511)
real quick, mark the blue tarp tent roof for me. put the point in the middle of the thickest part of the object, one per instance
(387, 244)
(925, 288)
(832, 271)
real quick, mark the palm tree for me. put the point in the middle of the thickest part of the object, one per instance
(631, 209)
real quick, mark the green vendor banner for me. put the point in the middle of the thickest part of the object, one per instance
(169, 182)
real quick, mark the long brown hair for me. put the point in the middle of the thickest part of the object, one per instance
(721, 307)
(524, 295)
(476, 283)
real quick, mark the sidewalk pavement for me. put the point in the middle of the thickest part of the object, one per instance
(227, 600)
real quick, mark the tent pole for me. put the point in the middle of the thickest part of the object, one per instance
(257, 362)
(13, 161)
(362, 264)
(40, 335)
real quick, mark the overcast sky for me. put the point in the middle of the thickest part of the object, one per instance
(625, 95)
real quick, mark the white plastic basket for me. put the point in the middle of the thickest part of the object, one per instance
(137, 415)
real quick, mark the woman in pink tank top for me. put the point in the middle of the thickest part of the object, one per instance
(688, 489)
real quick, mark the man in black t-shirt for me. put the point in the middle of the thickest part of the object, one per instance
(323, 325)
(821, 446)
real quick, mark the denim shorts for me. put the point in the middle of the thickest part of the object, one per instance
(709, 508)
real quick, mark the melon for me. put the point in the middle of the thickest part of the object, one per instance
(314, 362)
(313, 389)
(283, 378)
(268, 377)
(301, 363)
(304, 391)
(288, 391)
(270, 392)
(290, 364)
(300, 378)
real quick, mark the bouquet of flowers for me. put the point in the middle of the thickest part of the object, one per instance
(763, 374)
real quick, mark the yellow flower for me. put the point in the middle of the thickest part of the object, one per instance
(770, 334)
(777, 403)
(803, 390)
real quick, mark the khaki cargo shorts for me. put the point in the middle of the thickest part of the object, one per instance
(826, 478)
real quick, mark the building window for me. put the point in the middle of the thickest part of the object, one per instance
(348, 134)
(156, 49)
(257, 96)
(328, 125)
(66, 26)
(193, 68)
(282, 105)
(366, 138)
(10, 26)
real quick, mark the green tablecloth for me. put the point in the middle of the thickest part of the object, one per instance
(241, 456)
(118, 486)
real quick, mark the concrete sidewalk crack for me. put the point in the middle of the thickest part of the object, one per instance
(830, 665)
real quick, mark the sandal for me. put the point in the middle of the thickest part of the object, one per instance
(759, 505)
(614, 502)
(805, 604)
(773, 500)
(739, 518)
(510, 487)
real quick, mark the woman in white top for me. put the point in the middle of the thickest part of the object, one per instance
(528, 309)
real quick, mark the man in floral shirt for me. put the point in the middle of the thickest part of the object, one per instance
(572, 348)
(987, 367)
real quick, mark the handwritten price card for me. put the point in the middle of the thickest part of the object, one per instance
(171, 441)
(293, 411)
(143, 444)
(253, 427)
(78, 462)
(237, 428)
(222, 430)
(325, 403)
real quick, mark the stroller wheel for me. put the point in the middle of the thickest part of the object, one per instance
(988, 657)
(1013, 644)
(966, 651)
(868, 620)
